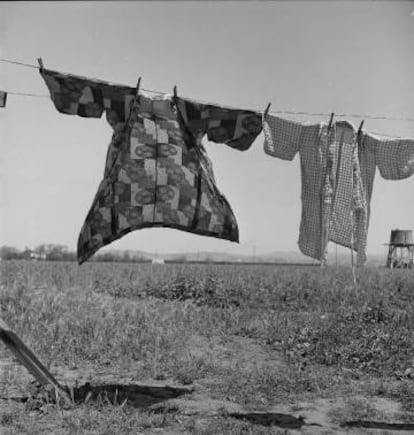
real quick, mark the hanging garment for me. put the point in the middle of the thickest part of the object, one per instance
(3, 98)
(157, 172)
(337, 170)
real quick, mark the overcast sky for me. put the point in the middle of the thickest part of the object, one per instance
(345, 57)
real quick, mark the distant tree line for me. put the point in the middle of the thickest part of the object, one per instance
(56, 252)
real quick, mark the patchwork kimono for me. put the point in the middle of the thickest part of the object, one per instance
(337, 170)
(157, 172)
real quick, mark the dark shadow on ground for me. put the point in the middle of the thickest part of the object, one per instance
(378, 425)
(136, 395)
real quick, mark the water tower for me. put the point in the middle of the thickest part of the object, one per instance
(401, 249)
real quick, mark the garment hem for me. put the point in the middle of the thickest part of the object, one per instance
(83, 258)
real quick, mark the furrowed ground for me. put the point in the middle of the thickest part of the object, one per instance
(297, 341)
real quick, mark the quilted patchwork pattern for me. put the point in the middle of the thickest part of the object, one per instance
(157, 172)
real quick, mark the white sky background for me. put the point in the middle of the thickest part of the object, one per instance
(345, 57)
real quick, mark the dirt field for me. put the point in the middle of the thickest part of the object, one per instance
(209, 349)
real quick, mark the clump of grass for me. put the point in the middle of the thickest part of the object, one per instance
(375, 338)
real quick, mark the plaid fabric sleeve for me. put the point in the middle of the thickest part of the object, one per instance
(283, 138)
(394, 157)
(234, 127)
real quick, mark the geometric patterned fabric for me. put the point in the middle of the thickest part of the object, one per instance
(157, 172)
(337, 171)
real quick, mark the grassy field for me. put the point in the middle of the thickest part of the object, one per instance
(251, 337)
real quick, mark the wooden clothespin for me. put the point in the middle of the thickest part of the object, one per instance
(330, 120)
(267, 110)
(360, 131)
(135, 101)
(40, 62)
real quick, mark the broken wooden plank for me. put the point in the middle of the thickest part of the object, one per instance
(29, 360)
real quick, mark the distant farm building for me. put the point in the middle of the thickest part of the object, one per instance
(29, 254)
(158, 261)
(36, 256)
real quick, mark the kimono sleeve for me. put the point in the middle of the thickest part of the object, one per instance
(236, 128)
(74, 95)
(88, 98)
(394, 157)
(283, 138)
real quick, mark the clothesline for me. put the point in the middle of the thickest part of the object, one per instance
(19, 63)
(23, 94)
(285, 112)
(279, 111)
(37, 67)
(349, 115)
